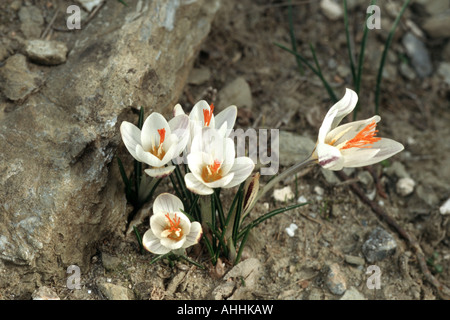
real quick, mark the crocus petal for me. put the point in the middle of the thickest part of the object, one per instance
(194, 236)
(229, 156)
(242, 168)
(386, 149)
(326, 125)
(178, 110)
(179, 126)
(167, 202)
(344, 106)
(159, 172)
(359, 157)
(196, 186)
(131, 136)
(153, 244)
(150, 136)
(227, 115)
(329, 157)
(173, 244)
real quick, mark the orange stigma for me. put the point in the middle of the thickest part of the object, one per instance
(364, 138)
(174, 231)
(162, 135)
(207, 115)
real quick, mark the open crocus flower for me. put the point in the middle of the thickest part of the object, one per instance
(213, 164)
(354, 144)
(202, 116)
(170, 229)
(158, 143)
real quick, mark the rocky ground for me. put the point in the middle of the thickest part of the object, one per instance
(330, 243)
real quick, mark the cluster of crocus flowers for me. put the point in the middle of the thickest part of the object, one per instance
(354, 144)
(170, 229)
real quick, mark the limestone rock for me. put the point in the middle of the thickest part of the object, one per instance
(60, 190)
(46, 52)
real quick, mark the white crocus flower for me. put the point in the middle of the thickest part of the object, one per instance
(202, 116)
(158, 143)
(353, 144)
(170, 229)
(213, 164)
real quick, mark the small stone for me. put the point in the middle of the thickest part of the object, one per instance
(319, 190)
(236, 93)
(199, 76)
(284, 194)
(405, 186)
(331, 9)
(302, 199)
(445, 208)
(109, 262)
(444, 71)
(89, 5)
(398, 170)
(436, 26)
(114, 292)
(353, 294)
(44, 293)
(46, 52)
(335, 281)
(291, 229)
(16, 80)
(379, 245)
(418, 53)
(354, 260)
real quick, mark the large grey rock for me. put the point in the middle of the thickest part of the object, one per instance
(31, 21)
(60, 192)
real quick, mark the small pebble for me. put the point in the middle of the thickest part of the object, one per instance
(319, 190)
(380, 245)
(336, 282)
(291, 229)
(405, 186)
(284, 194)
(445, 208)
(302, 199)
